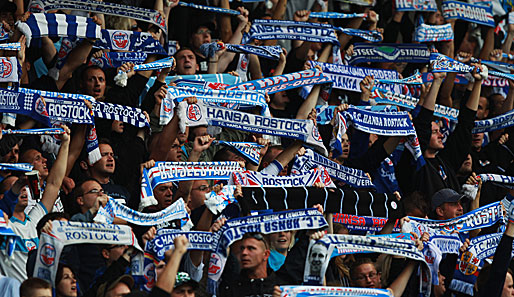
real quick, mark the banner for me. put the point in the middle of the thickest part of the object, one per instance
(415, 5)
(133, 12)
(130, 41)
(389, 52)
(251, 151)
(363, 223)
(305, 179)
(473, 13)
(430, 33)
(308, 291)
(117, 59)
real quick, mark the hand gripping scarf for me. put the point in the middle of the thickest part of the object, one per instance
(474, 13)
(305, 179)
(351, 176)
(202, 114)
(251, 151)
(482, 217)
(138, 13)
(116, 59)
(269, 52)
(389, 245)
(349, 201)
(308, 291)
(234, 229)
(415, 5)
(429, 33)
(65, 233)
(122, 77)
(381, 123)
(121, 40)
(114, 209)
(389, 52)
(58, 25)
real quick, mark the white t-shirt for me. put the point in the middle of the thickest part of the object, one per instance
(15, 266)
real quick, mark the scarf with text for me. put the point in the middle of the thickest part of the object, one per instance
(336, 15)
(23, 167)
(131, 41)
(315, 268)
(415, 79)
(133, 12)
(363, 223)
(389, 52)
(202, 114)
(325, 113)
(388, 97)
(251, 151)
(415, 5)
(497, 179)
(116, 59)
(41, 131)
(57, 25)
(269, 52)
(482, 217)
(432, 33)
(210, 8)
(65, 233)
(308, 291)
(14, 46)
(473, 13)
(354, 177)
(346, 77)
(304, 179)
(122, 77)
(234, 229)
(114, 209)
(10, 70)
(380, 123)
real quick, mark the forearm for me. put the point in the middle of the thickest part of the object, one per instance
(55, 177)
(254, 67)
(508, 42)
(308, 104)
(488, 44)
(289, 153)
(166, 280)
(445, 97)
(400, 283)
(472, 102)
(429, 102)
(76, 144)
(165, 140)
(225, 25)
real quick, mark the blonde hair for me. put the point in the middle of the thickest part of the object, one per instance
(118, 23)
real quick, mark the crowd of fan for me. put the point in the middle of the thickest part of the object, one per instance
(74, 190)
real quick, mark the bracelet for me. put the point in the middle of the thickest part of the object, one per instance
(213, 61)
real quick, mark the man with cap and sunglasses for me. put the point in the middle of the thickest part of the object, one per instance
(447, 204)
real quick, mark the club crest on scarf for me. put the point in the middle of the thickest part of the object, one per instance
(48, 254)
(120, 39)
(468, 264)
(193, 113)
(6, 68)
(41, 107)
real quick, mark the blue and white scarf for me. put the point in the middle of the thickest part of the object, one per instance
(14, 46)
(58, 25)
(23, 167)
(269, 52)
(363, 223)
(389, 245)
(415, 79)
(230, 98)
(499, 122)
(348, 77)
(415, 5)
(430, 33)
(389, 52)
(116, 59)
(308, 291)
(65, 233)
(251, 151)
(234, 229)
(325, 113)
(133, 12)
(122, 77)
(354, 177)
(4, 35)
(216, 202)
(210, 8)
(482, 217)
(114, 209)
(474, 13)
(380, 123)
(497, 179)
(131, 41)
(336, 15)
(202, 114)
(10, 69)
(304, 179)
(41, 131)
(274, 84)
(388, 97)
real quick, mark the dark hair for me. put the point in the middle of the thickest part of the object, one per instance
(415, 201)
(33, 283)
(52, 216)
(60, 270)
(84, 72)
(78, 191)
(185, 48)
(258, 236)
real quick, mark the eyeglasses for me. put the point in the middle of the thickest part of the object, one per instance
(203, 32)
(203, 188)
(95, 191)
(256, 235)
(365, 277)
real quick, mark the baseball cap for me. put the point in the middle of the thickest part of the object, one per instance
(183, 278)
(106, 287)
(445, 195)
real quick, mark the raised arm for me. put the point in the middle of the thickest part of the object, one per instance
(56, 175)
(166, 280)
